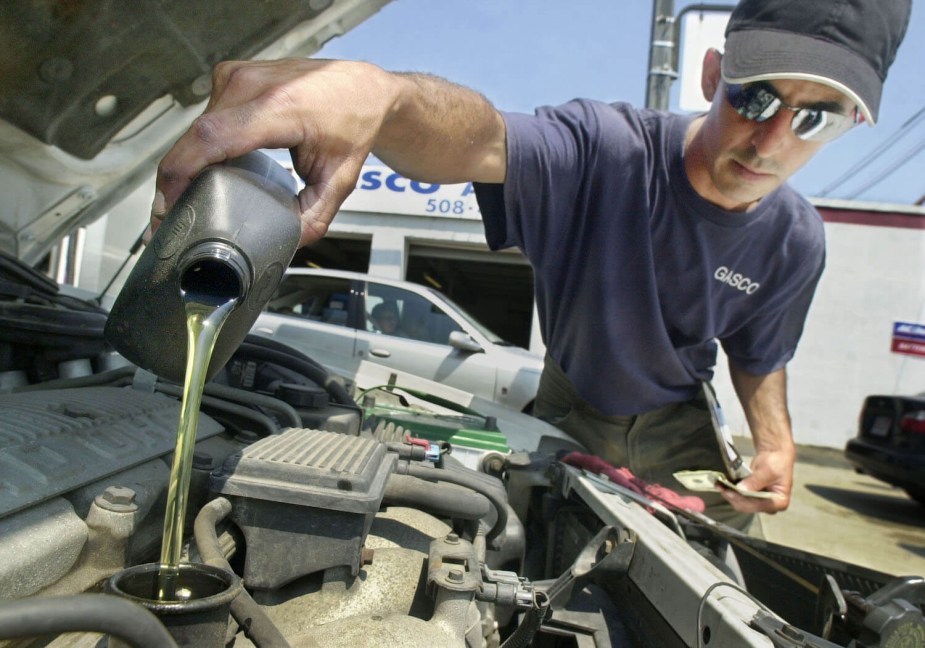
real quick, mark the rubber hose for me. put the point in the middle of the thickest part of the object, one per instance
(104, 613)
(222, 405)
(439, 499)
(473, 481)
(407, 451)
(490, 481)
(288, 357)
(522, 637)
(252, 398)
(257, 626)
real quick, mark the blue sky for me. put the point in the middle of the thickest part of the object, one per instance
(526, 53)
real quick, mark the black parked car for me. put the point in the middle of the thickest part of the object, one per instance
(890, 444)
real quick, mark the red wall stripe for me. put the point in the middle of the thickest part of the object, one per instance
(875, 218)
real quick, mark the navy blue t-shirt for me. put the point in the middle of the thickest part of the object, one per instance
(636, 275)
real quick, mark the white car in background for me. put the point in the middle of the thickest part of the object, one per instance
(329, 316)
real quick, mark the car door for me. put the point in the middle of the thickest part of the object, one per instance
(313, 314)
(420, 343)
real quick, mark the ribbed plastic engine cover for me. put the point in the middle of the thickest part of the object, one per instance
(54, 441)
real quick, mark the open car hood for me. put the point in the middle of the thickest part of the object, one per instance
(93, 93)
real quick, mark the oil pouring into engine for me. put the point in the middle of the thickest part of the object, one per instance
(203, 279)
(205, 315)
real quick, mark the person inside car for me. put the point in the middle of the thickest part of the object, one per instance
(385, 317)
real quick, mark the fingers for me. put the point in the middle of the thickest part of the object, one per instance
(772, 486)
(212, 138)
(158, 211)
(745, 504)
(249, 108)
(327, 114)
(772, 476)
(321, 197)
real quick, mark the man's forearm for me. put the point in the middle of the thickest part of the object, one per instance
(442, 132)
(330, 115)
(764, 400)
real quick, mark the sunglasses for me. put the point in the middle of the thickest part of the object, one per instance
(758, 102)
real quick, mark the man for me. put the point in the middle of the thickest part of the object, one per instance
(651, 235)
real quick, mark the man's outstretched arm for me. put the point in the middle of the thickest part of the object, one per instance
(331, 115)
(764, 399)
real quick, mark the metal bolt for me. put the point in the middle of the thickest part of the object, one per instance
(451, 538)
(493, 464)
(117, 498)
(455, 576)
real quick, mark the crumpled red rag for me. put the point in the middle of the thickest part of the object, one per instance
(625, 478)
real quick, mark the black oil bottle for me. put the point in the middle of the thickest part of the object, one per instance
(231, 235)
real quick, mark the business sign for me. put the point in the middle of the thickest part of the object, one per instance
(383, 191)
(909, 339)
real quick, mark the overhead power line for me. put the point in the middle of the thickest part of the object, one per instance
(882, 148)
(906, 155)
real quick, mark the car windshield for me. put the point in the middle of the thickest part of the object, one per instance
(493, 337)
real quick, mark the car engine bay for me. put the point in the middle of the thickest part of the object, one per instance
(355, 516)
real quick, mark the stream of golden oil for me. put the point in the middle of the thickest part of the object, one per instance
(204, 320)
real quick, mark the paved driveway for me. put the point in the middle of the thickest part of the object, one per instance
(838, 513)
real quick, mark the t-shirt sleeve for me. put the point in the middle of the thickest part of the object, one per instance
(552, 157)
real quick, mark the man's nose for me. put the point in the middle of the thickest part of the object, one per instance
(772, 135)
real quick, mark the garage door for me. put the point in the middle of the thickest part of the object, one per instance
(335, 253)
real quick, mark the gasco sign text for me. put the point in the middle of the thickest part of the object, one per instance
(380, 189)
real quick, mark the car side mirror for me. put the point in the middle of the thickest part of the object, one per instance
(464, 342)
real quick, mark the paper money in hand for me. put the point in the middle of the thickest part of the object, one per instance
(709, 480)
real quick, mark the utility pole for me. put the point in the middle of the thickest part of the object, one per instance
(661, 55)
(664, 46)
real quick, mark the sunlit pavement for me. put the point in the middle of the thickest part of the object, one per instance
(839, 513)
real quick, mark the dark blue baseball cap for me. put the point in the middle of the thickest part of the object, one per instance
(848, 45)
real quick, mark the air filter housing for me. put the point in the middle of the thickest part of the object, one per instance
(305, 500)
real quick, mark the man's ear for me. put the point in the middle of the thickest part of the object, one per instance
(712, 73)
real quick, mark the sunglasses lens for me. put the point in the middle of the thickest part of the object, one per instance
(757, 103)
(808, 123)
(821, 125)
(753, 102)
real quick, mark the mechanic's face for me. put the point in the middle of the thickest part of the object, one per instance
(733, 161)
